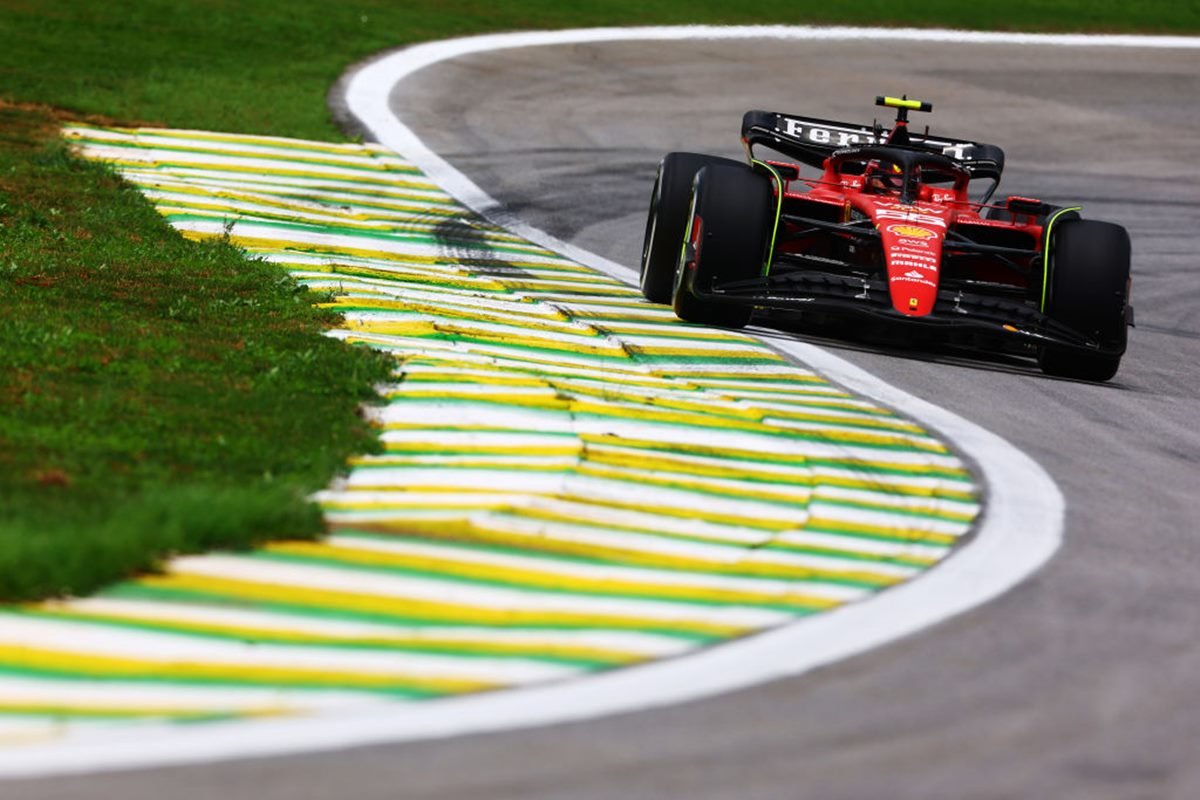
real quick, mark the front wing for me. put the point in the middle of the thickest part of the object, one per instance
(956, 310)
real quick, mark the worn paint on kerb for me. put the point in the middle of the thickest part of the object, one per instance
(572, 480)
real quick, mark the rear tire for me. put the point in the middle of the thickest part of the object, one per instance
(1089, 291)
(667, 219)
(730, 225)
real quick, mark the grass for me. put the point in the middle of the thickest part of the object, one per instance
(159, 396)
(211, 63)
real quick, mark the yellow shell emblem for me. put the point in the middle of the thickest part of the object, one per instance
(912, 231)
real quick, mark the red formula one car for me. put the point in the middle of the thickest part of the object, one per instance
(893, 229)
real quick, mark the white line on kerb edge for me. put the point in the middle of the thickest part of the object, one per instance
(1021, 528)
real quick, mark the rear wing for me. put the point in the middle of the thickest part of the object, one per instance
(810, 141)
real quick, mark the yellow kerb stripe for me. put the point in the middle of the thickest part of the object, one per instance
(92, 664)
(480, 645)
(479, 532)
(545, 579)
(424, 610)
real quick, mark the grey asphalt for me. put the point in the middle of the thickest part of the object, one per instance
(1084, 681)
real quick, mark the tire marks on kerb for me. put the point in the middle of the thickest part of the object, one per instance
(571, 482)
(391, 233)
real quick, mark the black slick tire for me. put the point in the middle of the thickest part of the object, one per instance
(1089, 292)
(729, 230)
(667, 219)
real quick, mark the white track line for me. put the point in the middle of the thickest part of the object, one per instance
(1020, 531)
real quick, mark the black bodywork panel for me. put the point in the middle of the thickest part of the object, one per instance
(810, 141)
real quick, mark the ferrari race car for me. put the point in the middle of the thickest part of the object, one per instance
(894, 228)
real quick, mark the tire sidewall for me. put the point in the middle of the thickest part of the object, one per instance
(736, 209)
(1088, 264)
(668, 219)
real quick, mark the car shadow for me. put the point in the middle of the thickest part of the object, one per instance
(921, 346)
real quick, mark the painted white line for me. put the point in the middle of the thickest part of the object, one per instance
(471, 596)
(166, 649)
(1020, 530)
(635, 642)
(566, 568)
(145, 697)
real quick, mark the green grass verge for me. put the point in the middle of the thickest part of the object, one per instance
(261, 66)
(159, 396)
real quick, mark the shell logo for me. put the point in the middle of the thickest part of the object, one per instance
(911, 231)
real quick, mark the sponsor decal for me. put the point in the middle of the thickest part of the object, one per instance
(912, 258)
(842, 137)
(908, 244)
(919, 219)
(907, 279)
(819, 134)
(912, 231)
(912, 273)
(916, 254)
(900, 263)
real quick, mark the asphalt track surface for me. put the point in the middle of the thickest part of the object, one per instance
(1080, 683)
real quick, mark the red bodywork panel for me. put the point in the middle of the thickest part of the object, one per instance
(912, 249)
(913, 236)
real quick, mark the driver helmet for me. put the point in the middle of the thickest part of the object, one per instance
(884, 177)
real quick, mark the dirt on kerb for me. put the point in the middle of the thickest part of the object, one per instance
(38, 121)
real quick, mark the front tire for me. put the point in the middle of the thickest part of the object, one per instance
(731, 222)
(1089, 269)
(667, 219)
